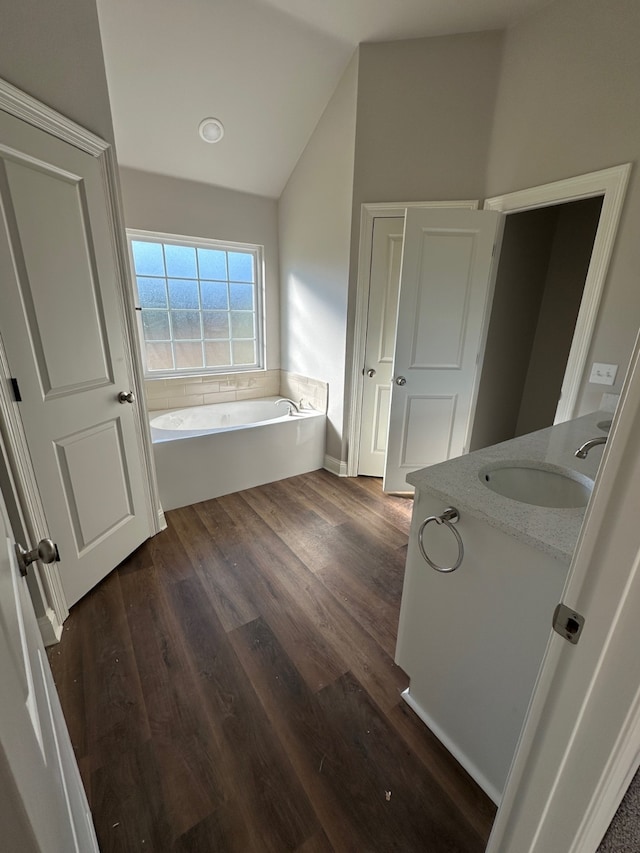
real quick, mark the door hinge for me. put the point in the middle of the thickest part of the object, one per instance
(16, 390)
(568, 623)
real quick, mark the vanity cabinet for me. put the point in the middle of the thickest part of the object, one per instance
(472, 640)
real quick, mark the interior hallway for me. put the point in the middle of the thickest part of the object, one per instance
(231, 686)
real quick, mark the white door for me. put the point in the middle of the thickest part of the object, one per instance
(43, 808)
(386, 256)
(62, 328)
(446, 285)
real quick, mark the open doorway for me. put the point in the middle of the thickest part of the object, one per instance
(544, 261)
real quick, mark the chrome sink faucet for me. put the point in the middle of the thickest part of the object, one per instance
(292, 406)
(582, 451)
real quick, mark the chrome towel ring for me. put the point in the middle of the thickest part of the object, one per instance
(449, 517)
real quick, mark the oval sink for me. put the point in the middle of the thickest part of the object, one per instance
(531, 483)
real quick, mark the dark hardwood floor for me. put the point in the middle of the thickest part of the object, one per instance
(231, 686)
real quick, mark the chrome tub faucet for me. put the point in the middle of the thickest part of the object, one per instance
(292, 406)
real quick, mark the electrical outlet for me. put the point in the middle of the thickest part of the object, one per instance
(603, 374)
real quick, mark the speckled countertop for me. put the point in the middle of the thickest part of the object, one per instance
(551, 529)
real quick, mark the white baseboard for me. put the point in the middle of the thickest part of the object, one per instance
(50, 628)
(162, 521)
(335, 466)
(453, 748)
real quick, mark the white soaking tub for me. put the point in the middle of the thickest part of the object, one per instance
(204, 452)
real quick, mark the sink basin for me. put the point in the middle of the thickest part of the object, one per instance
(538, 483)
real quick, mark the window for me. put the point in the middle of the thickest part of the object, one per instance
(200, 304)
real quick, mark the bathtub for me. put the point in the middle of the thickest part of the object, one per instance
(204, 452)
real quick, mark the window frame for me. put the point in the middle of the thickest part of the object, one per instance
(256, 250)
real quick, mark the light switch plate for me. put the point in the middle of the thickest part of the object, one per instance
(603, 374)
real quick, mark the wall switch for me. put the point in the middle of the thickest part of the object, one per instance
(603, 374)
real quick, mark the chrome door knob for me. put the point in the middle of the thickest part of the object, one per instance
(46, 551)
(400, 380)
(371, 373)
(126, 397)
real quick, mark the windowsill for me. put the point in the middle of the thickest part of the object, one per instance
(197, 377)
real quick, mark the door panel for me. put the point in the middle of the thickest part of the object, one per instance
(62, 328)
(38, 773)
(93, 456)
(386, 257)
(437, 336)
(52, 235)
(439, 413)
(445, 293)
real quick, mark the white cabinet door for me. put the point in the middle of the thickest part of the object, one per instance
(446, 286)
(43, 808)
(62, 327)
(386, 255)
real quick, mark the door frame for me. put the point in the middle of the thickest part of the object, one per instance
(369, 212)
(611, 184)
(53, 610)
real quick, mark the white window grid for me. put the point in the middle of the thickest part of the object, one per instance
(257, 253)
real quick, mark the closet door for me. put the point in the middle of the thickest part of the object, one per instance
(446, 286)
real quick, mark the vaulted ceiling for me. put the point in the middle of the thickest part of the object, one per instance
(265, 68)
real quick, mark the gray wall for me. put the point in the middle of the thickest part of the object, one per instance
(53, 51)
(315, 220)
(176, 206)
(524, 259)
(425, 111)
(569, 103)
(574, 233)
(424, 115)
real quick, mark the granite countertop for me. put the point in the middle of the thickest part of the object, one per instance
(550, 529)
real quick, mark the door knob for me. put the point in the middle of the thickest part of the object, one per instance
(400, 380)
(46, 550)
(371, 373)
(126, 397)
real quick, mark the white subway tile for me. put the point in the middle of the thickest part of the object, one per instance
(157, 403)
(187, 400)
(155, 388)
(249, 393)
(220, 397)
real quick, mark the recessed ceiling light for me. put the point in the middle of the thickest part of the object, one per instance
(211, 129)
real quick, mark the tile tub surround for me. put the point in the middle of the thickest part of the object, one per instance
(552, 530)
(313, 393)
(179, 392)
(182, 391)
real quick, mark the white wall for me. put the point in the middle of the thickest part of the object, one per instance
(314, 222)
(569, 103)
(176, 206)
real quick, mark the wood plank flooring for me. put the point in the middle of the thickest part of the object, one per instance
(231, 686)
